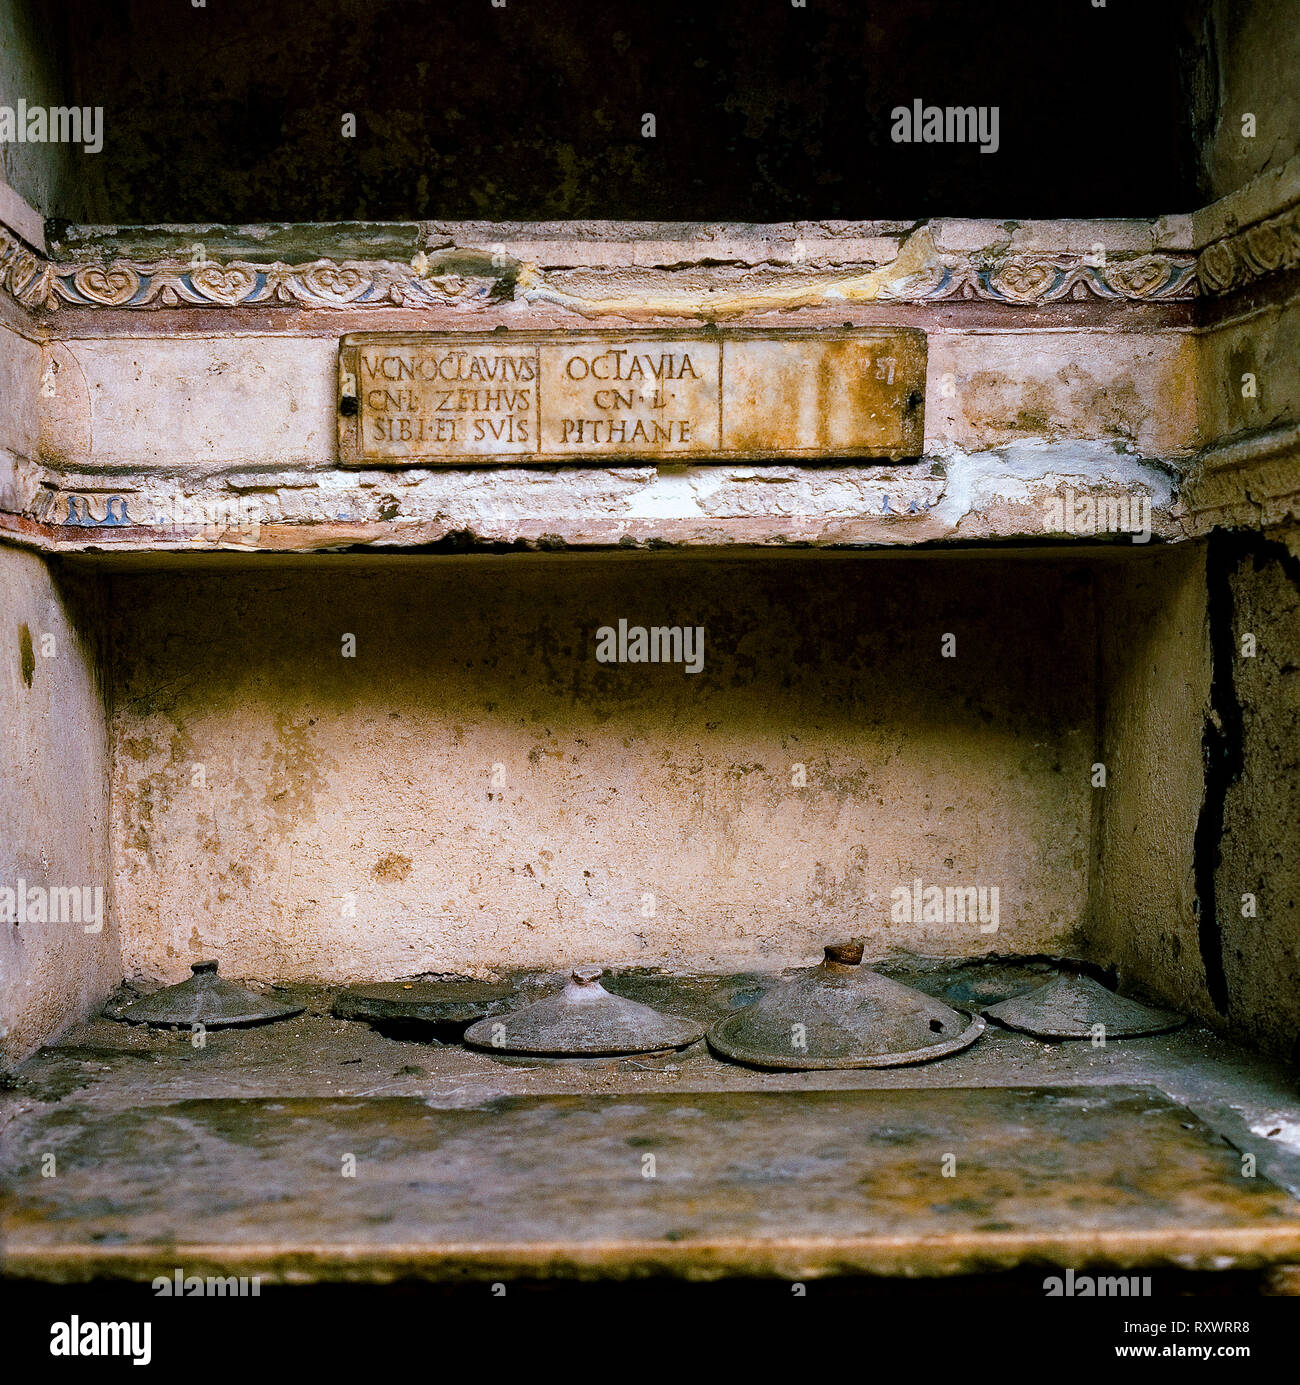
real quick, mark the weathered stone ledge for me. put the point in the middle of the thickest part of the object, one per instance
(653, 268)
(1251, 481)
(418, 265)
(1030, 491)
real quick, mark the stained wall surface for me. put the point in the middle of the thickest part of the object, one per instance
(53, 807)
(1196, 882)
(1155, 668)
(474, 789)
(53, 758)
(48, 175)
(1255, 612)
(1249, 54)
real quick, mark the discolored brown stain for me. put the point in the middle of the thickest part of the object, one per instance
(391, 867)
(26, 654)
(296, 776)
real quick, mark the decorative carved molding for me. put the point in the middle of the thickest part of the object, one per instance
(1250, 254)
(239, 284)
(1252, 480)
(36, 283)
(1025, 279)
(920, 274)
(24, 275)
(1036, 279)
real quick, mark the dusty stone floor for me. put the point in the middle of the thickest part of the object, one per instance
(103, 1072)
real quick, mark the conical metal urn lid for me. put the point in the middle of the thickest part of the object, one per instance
(207, 1000)
(1071, 1006)
(582, 1020)
(843, 1015)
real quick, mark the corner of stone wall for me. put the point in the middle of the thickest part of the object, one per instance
(59, 950)
(1248, 837)
(1154, 660)
(1195, 896)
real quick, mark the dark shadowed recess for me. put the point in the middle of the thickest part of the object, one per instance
(764, 111)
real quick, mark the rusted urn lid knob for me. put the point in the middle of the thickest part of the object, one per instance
(199, 967)
(846, 954)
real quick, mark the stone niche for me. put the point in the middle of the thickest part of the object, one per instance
(331, 768)
(359, 767)
(410, 757)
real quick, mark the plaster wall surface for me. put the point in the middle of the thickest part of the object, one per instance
(1256, 54)
(1259, 849)
(1154, 661)
(1249, 379)
(20, 401)
(53, 806)
(1196, 883)
(474, 790)
(45, 174)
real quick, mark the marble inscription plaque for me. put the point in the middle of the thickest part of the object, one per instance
(456, 399)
